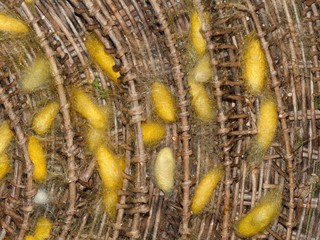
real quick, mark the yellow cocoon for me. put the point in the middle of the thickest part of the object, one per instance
(44, 119)
(164, 169)
(163, 102)
(259, 217)
(267, 123)
(202, 72)
(6, 136)
(152, 132)
(254, 64)
(94, 138)
(109, 168)
(30, 237)
(83, 104)
(204, 190)
(43, 228)
(110, 200)
(4, 165)
(201, 102)
(12, 25)
(98, 54)
(198, 41)
(38, 158)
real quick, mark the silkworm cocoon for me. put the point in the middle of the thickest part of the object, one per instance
(98, 54)
(38, 158)
(152, 132)
(44, 119)
(164, 169)
(30, 237)
(204, 190)
(109, 168)
(43, 228)
(12, 25)
(6, 136)
(41, 197)
(202, 72)
(110, 200)
(4, 165)
(94, 138)
(267, 123)
(254, 64)
(198, 41)
(163, 102)
(83, 104)
(261, 216)
(36, 76)
(201, 102)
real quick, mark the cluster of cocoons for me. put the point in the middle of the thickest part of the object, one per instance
(6, 136)
(12, 25)
(260, 216)
(42, 229)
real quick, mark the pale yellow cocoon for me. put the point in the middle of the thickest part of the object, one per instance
(43, 120)
(98, 54)
(43, 228)
(163, 102)
(38, 158)
(109, 168)
(12, 25)
(204, 190)
(164, 169)
(36, 76)
(261, 216)
(6, 136)
(110, 200)
(152, 132)
(94, 138)
(202, 72)
(83, 104)
(198, 41)
(267, 123)
(201, 102)
(254, 65)
(4, 165)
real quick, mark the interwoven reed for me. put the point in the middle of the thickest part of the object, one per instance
(148, 39)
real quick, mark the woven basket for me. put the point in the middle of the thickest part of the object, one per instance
(148, 39)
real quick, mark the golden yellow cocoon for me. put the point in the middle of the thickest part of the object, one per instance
(44, 119)
(109, 168)
(36, 76)
(267, 123)
(204, 190)
(98, 54)
(254, 64)
(201, 102)
(12, 25)
(164, 169)
(152, 132)
(94, 138)
(202, 72)
(30, 237)
(4, 165)
(38, 158)
(83, 104)
(163, 102)
(6, 136)
(261, 216)
(198, 41)
(43, 228)
(110, 200)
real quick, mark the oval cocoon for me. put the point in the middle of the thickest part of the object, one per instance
(37, 157)
(83, 104)
(254, 64)
(6, 136)
(164, 169)
(267, 123)
(163, 102)
(198, 41)
(44, 119)
(204, 190)
(12, 25)
(4, 165)
(98, 54)
(202, 72)
(109, 168)
(43, 228)
(260, 217)
(152, 132)
(201, 102)
(110, 200)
